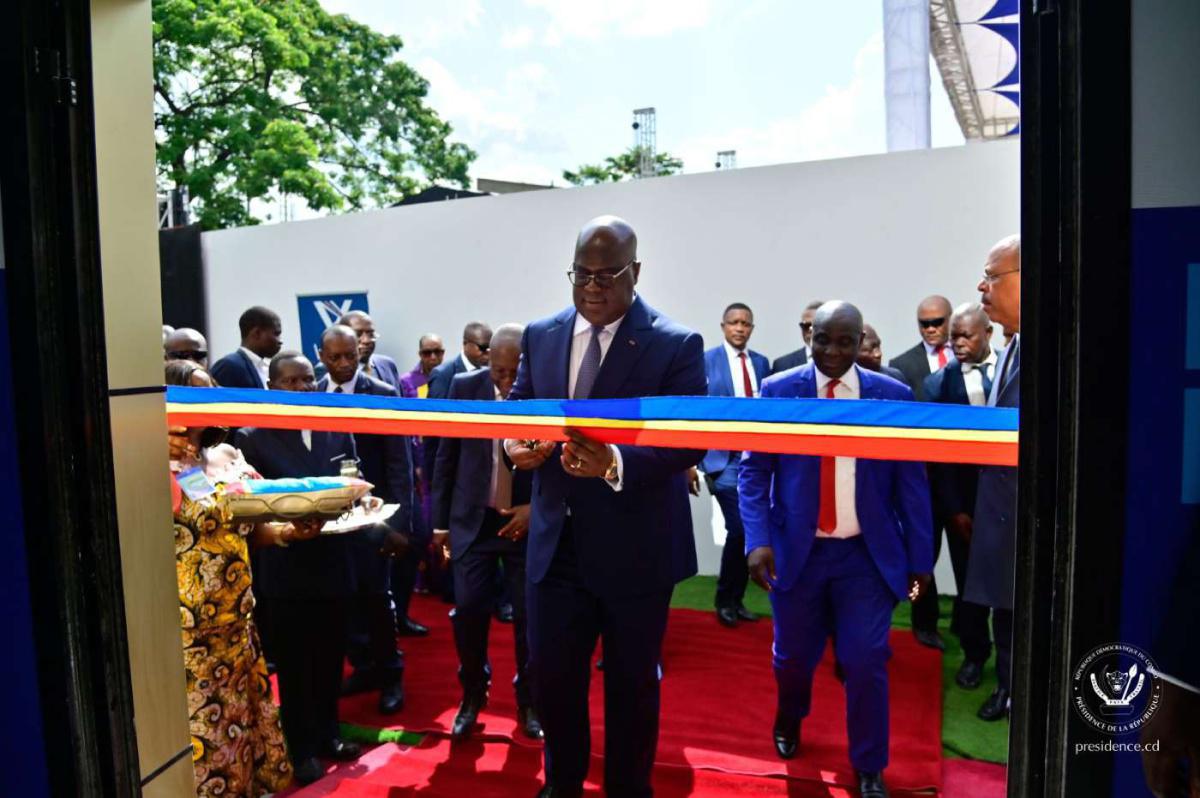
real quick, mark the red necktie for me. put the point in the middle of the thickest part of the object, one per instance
(941, 353)
(827, 515)
(749, 386)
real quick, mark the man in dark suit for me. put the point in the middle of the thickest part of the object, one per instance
(933, 351)
(926, 357)
(248, 367)
(966, 380)
(611, 530)
(991, 570)
(798, 358)
(384, 462)
(186, 344)
(381, 367)
(837, 541)
(870, 355)
(384, 369)
(733, 370)
(308, 584)
(481, 516)
(477, 337)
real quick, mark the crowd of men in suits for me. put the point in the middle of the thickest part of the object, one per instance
(584, 541)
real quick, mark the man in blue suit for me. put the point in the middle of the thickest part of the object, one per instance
(966, 380)
(837, 541)
(733, 370)
(384, 462)
(248, 366)
(481, 515)
(308, 584)
(611, 530)
(991, 572)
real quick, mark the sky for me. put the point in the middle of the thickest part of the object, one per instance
(539, 86)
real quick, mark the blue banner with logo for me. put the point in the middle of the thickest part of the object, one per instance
(319, 312)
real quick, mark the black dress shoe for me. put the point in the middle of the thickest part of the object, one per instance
(359, 681)
(341, 750)
(930, 638)
(308, 771)
(554, 791)
(870, 785)
(727, 616)
(504, 613)
(969, 675)
(391, 699)
(996, 707)
(786, 735)
(744, 614)
(468, 714)
(531, 727)
(410, 628)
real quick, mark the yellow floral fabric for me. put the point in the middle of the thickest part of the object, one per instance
(238, 749)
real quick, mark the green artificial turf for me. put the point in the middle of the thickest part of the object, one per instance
(963, 734)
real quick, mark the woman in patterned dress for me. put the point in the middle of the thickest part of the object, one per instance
(238, 748)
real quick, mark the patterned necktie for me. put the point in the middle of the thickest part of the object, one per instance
(747, 385)
(590, 366)
(369, 371)
(827, 515)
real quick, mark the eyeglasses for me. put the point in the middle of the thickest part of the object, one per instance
(430, 352)
(927, 323)
(992, 279)
(196, 355)
(806, 326)
(480, 347)
(368, 336)
(582, 279)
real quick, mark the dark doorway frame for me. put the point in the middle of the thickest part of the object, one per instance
(1075, 223)
(56, 322)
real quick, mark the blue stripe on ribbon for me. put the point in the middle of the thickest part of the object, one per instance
(861, 412)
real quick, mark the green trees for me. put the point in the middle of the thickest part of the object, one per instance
(256, 98)
(625, 166)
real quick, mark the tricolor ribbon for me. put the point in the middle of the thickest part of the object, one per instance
(846, 428)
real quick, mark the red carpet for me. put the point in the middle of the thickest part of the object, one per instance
(717, 709)
(500, 770)
(967, 778)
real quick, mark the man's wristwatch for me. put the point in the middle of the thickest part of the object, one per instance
(611, 474)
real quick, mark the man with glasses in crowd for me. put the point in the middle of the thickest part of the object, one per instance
(932, 353)
(381, 367)
(991, 569)
(802, 355)
(186, 344)
(430, 353)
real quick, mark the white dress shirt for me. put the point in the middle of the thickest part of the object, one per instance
(735, 370)
(306, 438)
(347, 387)
(261, 363)
(973, 377)
(580, 339)
(470, 366)
(1001, 365)
(932, 355)
(845, 468)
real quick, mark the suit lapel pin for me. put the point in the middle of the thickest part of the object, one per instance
(632, 342)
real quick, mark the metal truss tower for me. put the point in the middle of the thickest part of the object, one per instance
(645, 141)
